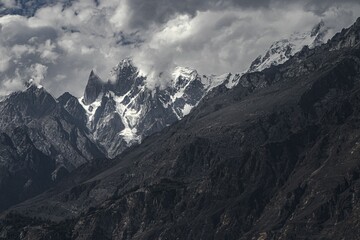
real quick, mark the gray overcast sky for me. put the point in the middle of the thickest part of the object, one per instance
(59, 46)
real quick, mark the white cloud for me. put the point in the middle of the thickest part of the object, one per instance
(37, 72)
(216, 42)
(9, 86)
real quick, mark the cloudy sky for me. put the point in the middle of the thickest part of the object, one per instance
(59, 44)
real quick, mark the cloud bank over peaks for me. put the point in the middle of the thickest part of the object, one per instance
(59, 44)
(216, 42)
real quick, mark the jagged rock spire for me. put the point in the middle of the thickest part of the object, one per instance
(93, 88)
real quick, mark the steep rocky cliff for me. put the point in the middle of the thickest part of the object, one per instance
(42, 141)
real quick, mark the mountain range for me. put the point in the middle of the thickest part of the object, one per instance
(47, 137)
(266, 154)
(124, 110)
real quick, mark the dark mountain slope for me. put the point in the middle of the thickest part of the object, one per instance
(41, 142)
(25, 171)
(276, 157)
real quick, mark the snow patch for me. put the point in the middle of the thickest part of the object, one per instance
(185, 72)
(186, 110)
(130, 117)
(90, 109)
(216, 81)
(282, 50)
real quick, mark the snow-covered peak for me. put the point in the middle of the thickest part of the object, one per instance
(280, 51)
(125, 65)
(124, 110)
(184, 72)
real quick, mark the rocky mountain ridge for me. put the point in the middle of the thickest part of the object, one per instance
(123, 110)
(282, 50)
(41, 140)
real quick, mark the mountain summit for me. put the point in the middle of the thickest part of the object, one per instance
(282, 50)
(122, 110)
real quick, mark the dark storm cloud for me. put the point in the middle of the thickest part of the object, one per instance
(319, 7)
(146, 13)
(160, 11)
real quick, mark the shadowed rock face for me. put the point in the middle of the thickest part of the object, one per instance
(93, 88)
(42, 140)
(73, 107)
(25, 171)
(276, 157)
